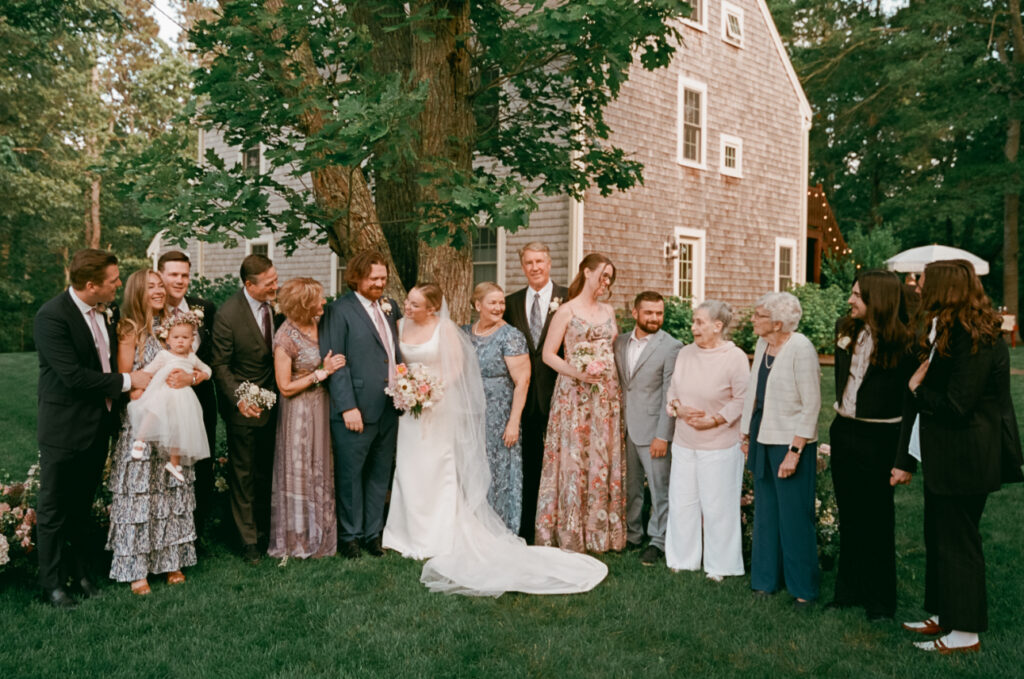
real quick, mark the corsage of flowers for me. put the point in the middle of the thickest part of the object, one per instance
(554, 304)
(843, 342)
(253, 396)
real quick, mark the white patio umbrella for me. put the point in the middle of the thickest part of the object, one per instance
(915, 259)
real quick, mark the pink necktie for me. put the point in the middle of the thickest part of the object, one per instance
(101, 347)
(378, 320)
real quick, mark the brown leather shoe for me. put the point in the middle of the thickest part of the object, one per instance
(349, 549)
(928, 626)
(373, 547)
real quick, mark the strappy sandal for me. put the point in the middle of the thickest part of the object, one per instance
(926, 627)
(141, 587)
(940, 646)
(175, 578)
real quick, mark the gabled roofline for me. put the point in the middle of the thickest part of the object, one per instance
(805, 106)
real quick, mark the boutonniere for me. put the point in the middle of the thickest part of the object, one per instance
(385, 306)
(843, 342)
(109, 313)
(555, 303)
(197, 312)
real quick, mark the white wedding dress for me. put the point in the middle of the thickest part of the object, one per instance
(439, 508)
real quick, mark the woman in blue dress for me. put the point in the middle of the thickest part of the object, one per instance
(505, 367)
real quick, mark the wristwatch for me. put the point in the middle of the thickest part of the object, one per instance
(794, 449)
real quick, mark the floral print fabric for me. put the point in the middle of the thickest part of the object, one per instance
(582, 502)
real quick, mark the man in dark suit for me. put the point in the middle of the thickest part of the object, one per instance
(364, 422)
(243, 332)
(530, 311)
(79, 387)
(176, 270)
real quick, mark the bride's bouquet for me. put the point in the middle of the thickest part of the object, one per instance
(593, 358)
(415, 388)
(255, 397)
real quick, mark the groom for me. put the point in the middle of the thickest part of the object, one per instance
(529, 310)
(364, 422)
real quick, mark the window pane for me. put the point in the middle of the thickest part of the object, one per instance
(685, 288)
(485, 256)
(730, 156)
(785, 268)
(696, 11)
(691, 107)
(733, 26)
(691, 126)
(251, 161)
(259, 249)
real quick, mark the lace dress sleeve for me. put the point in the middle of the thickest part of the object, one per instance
(513, 343)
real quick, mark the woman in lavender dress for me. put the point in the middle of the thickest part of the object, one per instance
(505, 368)
(302, 519)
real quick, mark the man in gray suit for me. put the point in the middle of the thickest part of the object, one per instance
(645, 359)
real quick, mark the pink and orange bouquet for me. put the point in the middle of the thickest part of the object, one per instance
(593, 358)
(415, 388)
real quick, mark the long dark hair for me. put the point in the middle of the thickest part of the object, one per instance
(953, 293)
(887, 317)
(590, 263)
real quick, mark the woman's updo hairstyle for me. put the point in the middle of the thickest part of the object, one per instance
(592, 262)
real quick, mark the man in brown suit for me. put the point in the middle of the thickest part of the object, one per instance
(243, 332)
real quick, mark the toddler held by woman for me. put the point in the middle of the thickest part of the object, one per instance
(172, 418)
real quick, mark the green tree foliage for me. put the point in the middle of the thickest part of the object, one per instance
(912, 107)
(421, 121)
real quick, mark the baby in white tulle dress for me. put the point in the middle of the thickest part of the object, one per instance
(172, 418)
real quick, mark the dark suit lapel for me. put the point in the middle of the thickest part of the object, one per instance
(558, 295)
(248, 321)
(360, 312)
(843, 361)
(83, 333)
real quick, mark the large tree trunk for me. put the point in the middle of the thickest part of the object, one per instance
(92, 217)
(1011, 199)
(446, 126)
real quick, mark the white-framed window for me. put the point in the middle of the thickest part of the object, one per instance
(698, 15)
(251, 160)
(338, 266)
(688, 270)
(488, 254)
(264, 245)
(732, 24)
(785, 264)
(691, 144)
(731, 158)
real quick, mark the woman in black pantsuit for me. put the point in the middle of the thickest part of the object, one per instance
(873, 364)
(968, 445)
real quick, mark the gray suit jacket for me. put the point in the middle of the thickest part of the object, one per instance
(643, 392)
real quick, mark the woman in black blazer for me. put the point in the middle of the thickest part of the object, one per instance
(873, 364)
(969, 446)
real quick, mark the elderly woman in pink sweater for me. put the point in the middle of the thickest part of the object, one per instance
(706, 398)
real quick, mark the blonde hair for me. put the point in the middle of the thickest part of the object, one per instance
(484, 289)
(297, 299)
(137, 316)
(432, 293)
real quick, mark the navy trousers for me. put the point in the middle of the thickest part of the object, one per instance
(362, 474)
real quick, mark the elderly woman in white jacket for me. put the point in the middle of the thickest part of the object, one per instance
(779, 431)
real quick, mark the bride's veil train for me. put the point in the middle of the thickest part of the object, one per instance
(487, 559)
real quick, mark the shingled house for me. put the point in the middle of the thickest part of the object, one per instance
(723, 136)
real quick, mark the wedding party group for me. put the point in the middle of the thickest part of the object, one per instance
(506, 453)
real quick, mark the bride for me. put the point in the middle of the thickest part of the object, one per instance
(439, 509)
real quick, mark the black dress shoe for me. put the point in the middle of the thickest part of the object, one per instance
(251, 555)
(651, 556)
(373, 546)
(58, 598)
(88, 589)
(349, 549)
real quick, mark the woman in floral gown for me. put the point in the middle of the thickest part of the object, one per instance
(302, 518)
(582, 503)
(151, 527)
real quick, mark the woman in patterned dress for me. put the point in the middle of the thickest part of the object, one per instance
(151, 528)
(505, 367)
(582, 503)
(302, 519)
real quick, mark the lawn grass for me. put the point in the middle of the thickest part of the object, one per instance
(371, 617)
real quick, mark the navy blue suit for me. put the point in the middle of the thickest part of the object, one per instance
(362, 460)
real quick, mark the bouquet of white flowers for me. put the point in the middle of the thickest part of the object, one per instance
(415, 388)
(593, 358)
(255, 397)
